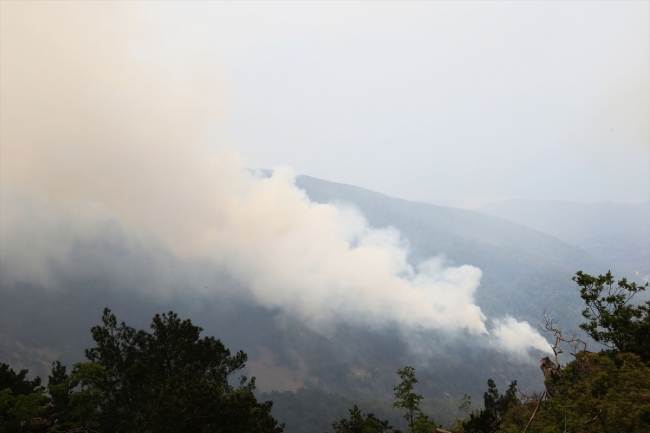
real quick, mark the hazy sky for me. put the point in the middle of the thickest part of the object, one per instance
(431, 100)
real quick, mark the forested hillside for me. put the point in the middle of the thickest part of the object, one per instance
(171, 379)
(617, 233)
(523, 269)
(524, 273)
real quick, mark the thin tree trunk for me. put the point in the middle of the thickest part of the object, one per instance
(534, 412)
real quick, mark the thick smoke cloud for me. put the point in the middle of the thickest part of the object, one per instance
(92, 131)
(516, 337)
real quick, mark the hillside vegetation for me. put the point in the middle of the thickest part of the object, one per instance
(173, 380)
(523, 268)
(524, 273)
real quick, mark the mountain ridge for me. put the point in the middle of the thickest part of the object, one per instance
(524, 273)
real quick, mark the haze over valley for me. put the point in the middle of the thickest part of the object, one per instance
(273, 181)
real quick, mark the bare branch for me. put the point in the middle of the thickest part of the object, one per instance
(593, 419)
(551, 325)
(534, 412)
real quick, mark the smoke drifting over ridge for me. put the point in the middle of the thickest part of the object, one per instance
(90, 131)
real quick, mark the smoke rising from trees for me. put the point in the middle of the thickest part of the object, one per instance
(93, 132)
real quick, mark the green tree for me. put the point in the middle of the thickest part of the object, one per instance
(18, 382)
(598, 393)
(59, 387)
(358, 423)
(168, 380)
(406, 399)
(424, 424)
(496, 406)
(604, 391)
(466, 405)
(612, 320)
(83, 390)
(21, 399)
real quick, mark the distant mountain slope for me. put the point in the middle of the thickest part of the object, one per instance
(618, 233)
(524, 271)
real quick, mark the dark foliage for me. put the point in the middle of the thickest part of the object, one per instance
(57, 387)
(360, 423)
(17, 382)
(496, 406)
(20, 398)
(167, 380)
(598, 393)
(604, 391)
(612, 319)
(314, 410)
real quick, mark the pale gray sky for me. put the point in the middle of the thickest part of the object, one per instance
(431, 100)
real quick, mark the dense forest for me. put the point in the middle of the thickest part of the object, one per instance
(173, 380)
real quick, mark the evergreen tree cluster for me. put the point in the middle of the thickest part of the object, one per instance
(168, 380)
(597, 392)
(406, 400)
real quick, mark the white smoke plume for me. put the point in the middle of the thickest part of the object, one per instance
(90, 130)
(517, 337)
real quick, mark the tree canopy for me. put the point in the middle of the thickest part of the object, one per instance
(168, 380)
(172, 379)
(20, 398)
(360, 423)
(601, 391)
(612, 319)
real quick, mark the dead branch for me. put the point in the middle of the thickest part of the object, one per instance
(551, 325)
(534, 412)
(593, 419)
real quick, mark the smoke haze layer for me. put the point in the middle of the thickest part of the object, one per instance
(93, 132)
